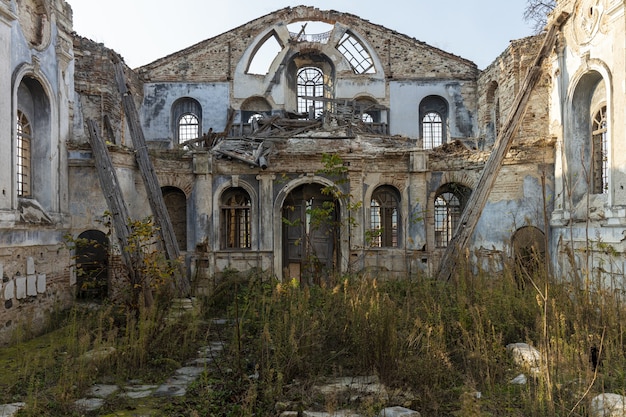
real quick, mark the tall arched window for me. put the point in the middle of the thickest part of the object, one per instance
(188, 127)
(449, 204)
(310, 84)
(433, 115)
(599, 145)
(236, 221)
(186, 119)
(384, 218)
(432, 130)
(24, 136)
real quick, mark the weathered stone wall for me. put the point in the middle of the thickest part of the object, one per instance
(97, 94)
(214, 59)
(499, 84)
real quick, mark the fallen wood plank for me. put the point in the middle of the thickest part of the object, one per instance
(150, 180)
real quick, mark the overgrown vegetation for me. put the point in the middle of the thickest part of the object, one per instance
(433, 344)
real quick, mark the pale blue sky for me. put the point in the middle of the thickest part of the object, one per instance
(145, 30)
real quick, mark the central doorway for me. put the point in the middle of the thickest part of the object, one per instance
(311, 224)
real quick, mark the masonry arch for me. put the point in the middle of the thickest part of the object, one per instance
(92, 265)
(221, 198)
(433, 121)
(35, 173)
(307, 229)
(186, 119)
(310, 75)
(586, 159)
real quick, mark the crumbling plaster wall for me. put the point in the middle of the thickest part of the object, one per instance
(156, 109)
(34, 266)
(592, 43)
(398, 58)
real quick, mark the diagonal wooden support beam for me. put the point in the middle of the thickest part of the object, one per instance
(478, 199)
(150, 180)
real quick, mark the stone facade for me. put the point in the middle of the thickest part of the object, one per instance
(410, 125)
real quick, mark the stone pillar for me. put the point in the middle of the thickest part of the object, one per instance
(202, 200)
(7, 123)
(266, 211)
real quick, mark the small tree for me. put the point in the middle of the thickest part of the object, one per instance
(537, 12)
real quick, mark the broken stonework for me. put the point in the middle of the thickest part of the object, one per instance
(9, 290)
(20, 287)
(31, 285)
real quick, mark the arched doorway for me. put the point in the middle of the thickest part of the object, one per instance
(92, 260)
(311, 225)
(529, 252)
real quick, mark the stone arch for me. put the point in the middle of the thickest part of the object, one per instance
(236, 182)
(181, 182)
(280, 202)
(587, 89)
(32, 96)
(92, 265)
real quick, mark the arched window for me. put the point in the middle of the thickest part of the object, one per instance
(432, 130)
(187, 119)
(188, 127)
(310, 84)
(24, 135)
(449, 204)
(433, 113)
(600, 168)
(356, 53)
(236, 222)
(384, 218)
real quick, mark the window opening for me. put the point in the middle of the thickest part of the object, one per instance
(24, 136)
(318, 32)
(432, 130)
(447, 214)
(357, 55)
(383, 219)
(236, 215)
(188, 127)
(310, 85)
(262, 60)
(599, 145)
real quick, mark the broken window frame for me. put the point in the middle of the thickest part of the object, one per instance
(449, 204)
(310, 83)
(384, 218)
(447, 215)
(24, 155)
(599, 152)
(236, 222)
(356, 54)
(188, 127)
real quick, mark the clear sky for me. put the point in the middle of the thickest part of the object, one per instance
(145, 30)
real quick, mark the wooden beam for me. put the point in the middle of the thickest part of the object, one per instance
(478, 199)
(150, 180)
(113, 196)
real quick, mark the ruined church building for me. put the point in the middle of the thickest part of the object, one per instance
(250, 130)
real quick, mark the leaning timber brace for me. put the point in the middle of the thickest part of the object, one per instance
(151, 182)
(478, 198)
